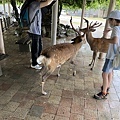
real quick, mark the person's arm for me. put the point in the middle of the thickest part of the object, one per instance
(46, 3)
(112, 40)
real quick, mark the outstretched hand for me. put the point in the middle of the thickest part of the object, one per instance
(106, 31)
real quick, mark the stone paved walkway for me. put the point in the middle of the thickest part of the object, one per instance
(69, 97)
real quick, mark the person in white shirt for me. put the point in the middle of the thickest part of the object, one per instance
(114, 42)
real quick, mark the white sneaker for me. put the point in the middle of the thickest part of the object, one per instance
(31, 62)
(37, 67)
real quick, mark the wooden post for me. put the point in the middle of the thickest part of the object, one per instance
(83, 10)
(4, 8)
(9, 9)
(54, 22)
(2, 49)
(111, 8)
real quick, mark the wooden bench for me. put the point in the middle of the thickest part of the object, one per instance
(24, 43)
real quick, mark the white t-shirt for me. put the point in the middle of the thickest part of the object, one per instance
(115, 32)
(35, 26)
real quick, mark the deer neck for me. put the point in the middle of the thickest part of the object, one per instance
(89, 37)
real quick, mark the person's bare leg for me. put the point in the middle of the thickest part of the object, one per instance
(105, 82)
(107, 78)
(110, 77)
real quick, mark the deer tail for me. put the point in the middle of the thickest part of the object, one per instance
(44, 60)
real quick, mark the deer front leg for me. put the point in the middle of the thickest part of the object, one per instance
(74, 70)
(94, 58)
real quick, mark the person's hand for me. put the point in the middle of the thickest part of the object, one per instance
(106, 31)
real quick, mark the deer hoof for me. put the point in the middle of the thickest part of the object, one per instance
(91, 68)
(74, 73)
(58, 75)
(89, 64)
(72, 62)
(44, 93)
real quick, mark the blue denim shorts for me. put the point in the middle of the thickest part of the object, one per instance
(108, 66)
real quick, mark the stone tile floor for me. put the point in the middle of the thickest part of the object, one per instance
(69, 97)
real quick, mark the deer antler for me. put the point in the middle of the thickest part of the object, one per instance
(87, 23)
(73, 27)
(95, 25)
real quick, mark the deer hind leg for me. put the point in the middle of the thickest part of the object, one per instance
(59, 67)
(94, 58)
(44, 78)
(74, 70)
(73, 63)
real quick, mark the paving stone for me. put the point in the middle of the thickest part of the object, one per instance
(31, 95)
(67, 94)
(28, 117)
(104, 116)
(20, 113)
(47, 116)
(36, 111)
(115, 113)
(10, 92)
(26, 104)
(2, 106)
(102, 106)
(66, 102)
(18, 97)
(4, 115)
(11, 106)
(56, 92)
(78, 109)
(15, 86)
(16, 76)
(61, 118)
(113, 97)
(54, 99)
(90, 114)
(79, 85)
(90, 104)
(1, 92)
(5, 86)
(50, 108)
(63, 111)
(79, 100)
(68, 87)
(4, 99)
(13, 118)
(76, 117)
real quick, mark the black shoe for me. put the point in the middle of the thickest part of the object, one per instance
(100, 96)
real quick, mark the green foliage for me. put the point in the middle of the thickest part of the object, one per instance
(117, 5)
(98, 4)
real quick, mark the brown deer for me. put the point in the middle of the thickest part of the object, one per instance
(56, 55)
(96, 44)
